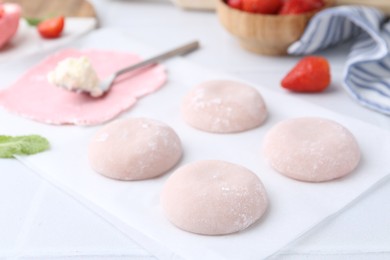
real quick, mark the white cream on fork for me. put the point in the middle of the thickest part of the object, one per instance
(77, 74)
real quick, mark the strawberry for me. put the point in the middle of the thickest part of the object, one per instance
(237, 4)
(300, 6)
(1, 10)
(51, 28)
(310, 74)
(262, 6)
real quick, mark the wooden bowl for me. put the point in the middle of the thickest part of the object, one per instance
(264, 34)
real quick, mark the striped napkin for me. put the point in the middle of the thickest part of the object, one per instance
(367, 71)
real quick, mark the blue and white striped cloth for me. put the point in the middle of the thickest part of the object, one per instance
(367, 70)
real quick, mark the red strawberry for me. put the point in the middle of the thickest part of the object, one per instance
(262, 6)
(301, 6)
(311, 74)
(1, 10)
(51, 28)
(237, 4)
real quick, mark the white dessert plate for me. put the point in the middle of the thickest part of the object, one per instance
(295, 207)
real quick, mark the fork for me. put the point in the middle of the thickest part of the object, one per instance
(106, 84)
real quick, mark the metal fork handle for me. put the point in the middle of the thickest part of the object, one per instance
(175, 52)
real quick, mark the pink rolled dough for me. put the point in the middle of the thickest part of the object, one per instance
(213, 198)
(32, 96)
(134, 149)
(311, 149)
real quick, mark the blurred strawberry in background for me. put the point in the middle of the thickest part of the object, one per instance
(1, 10)
(51, 28)
(301, 6)
(262, 6)
(235, 3)
(9, 22)
(283, 7)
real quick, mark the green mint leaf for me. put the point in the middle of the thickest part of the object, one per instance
(22, 145)
(33, 21)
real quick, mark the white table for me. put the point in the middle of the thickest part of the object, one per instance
(39, 221)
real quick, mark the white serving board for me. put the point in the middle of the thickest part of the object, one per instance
(27, 40)
(295, 207)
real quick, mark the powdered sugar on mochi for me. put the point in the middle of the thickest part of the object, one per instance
(311, 149)
(32, 96)
(134, 149)
(223, 106)
(213, 198)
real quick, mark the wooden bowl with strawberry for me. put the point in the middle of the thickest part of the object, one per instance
(268, 27)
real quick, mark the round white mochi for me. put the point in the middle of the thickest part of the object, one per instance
(223, 106)
(311, 149)
(134, 149)
(213, 198)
